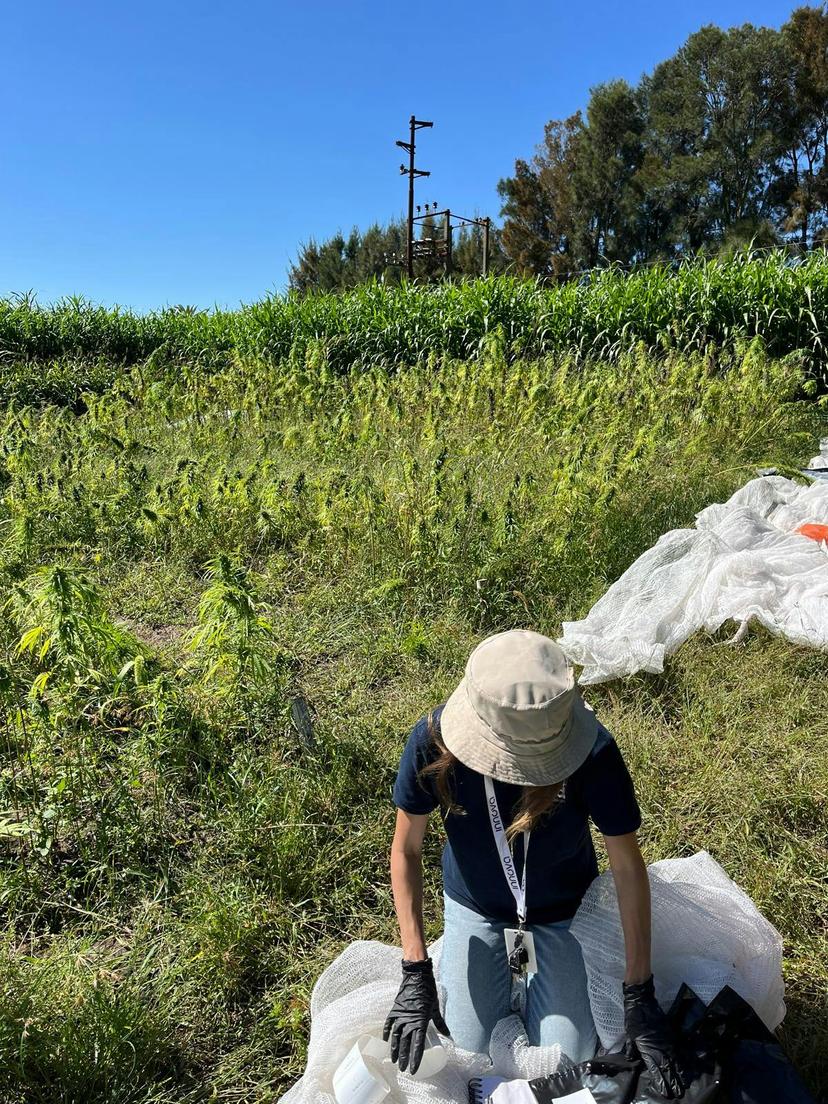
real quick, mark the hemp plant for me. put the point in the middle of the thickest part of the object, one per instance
(232, 642)
(67, 633)
(74, 699)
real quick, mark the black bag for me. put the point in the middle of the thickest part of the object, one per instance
(612, 1079)
(755, 1068)
(725, 1054)
(761, 1074)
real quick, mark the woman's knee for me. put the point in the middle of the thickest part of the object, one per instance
(475, 977)
(578, 1041)
(477, 992)
(558, 1007)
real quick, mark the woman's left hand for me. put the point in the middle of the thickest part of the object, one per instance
(649, 1032)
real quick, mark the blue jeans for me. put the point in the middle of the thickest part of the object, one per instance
(478, 984)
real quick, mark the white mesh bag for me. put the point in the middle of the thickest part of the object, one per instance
(706, 932)
(353, 996)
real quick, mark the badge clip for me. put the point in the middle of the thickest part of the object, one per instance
(520, 951)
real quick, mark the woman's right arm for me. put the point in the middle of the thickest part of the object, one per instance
(407, 882)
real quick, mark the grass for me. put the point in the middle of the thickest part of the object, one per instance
(181, 561)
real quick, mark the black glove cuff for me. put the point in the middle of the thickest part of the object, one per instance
(418, 966)
(640, 988)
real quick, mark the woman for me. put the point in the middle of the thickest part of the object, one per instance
(515, 757)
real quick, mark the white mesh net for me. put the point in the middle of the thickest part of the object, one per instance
(353, 997)
(743, 561)
(706, 932)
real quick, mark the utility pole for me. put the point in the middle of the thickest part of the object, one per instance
(413, 173)
(433, 248)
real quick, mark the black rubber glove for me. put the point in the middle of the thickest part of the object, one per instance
(416, 1004)
(649, 1032)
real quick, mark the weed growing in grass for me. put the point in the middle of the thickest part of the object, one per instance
(231, 634)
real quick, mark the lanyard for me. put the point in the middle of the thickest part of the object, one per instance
(518, 889)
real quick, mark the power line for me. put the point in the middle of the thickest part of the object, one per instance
(414, 249)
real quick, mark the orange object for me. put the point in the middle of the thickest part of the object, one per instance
(815, 532)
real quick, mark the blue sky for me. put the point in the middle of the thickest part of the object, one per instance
(159, 153)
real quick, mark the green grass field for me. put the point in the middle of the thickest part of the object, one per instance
(184, 553)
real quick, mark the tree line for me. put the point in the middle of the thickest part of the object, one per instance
(723, 144)
(379, 252)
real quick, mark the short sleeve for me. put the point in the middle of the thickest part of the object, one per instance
(608, 789)
(413, 794)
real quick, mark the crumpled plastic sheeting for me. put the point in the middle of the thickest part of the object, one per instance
(743, 561)
(706, 932)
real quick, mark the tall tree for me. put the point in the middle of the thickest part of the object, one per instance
(724, 143)
(577, 201)
(340, 263)
(714, 115)
(803, 184)
(608, 155)
(539, 203)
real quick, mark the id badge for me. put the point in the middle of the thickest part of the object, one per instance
(510, 935)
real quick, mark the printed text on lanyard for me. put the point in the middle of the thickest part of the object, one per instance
(520, 948)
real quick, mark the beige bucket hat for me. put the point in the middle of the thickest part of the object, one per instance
(518, 715)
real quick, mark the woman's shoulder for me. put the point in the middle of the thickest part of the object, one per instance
(421, 737)
(604, 739)
(604, 750)
(605, 786)
(412, 792)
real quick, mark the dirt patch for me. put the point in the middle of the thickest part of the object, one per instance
(157, 637)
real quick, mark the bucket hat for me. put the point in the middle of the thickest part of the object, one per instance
(518, 715)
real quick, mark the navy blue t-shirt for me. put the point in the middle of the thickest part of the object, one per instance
(562, 860)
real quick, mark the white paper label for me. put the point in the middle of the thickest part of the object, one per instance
(357, 1079)
(513, 1092)
(582, 1096)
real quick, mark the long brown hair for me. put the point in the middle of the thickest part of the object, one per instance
(535, 802)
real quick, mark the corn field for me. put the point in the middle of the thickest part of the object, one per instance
(698, 306)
